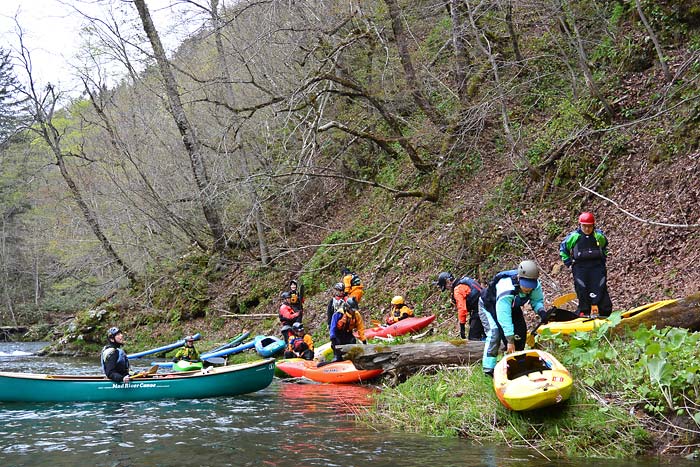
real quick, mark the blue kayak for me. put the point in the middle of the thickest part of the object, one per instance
(165, 348)
(220, 353)
(232, 343)
(268, 346)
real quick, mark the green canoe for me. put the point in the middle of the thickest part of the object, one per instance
(230, 380)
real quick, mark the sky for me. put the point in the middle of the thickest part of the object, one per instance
(51, 32)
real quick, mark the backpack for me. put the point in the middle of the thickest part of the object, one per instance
(355, 281)
(488, 295)
(473, 284)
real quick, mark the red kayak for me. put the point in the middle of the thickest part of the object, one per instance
(336, 372)
(404, 326)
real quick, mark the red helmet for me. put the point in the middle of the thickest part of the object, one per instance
(586, 218)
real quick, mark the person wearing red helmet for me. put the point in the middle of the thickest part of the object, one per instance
(585, 251)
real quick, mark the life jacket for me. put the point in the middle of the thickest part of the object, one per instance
(187, 353)
(348, 322)
(587, 248)
(122, 359)
(474, 285)
(488, 295)
(287, 314)
(400, 312)
(298, 344)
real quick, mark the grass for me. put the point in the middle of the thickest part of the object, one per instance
(461, 402)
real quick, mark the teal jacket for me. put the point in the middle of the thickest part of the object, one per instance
(570, 254)
(507, 301)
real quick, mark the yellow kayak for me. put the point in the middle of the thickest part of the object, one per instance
(588, 324)
(531, 379)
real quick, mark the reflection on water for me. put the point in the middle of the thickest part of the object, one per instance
(286, 424)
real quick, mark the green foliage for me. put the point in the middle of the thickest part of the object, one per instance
(184, 293)
(659, 367)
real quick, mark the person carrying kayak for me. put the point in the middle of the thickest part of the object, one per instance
(301, 344)
(501, 312)
(464, 294)
(585, 251)
(398, 311)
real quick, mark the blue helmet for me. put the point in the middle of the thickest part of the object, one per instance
(113, 331)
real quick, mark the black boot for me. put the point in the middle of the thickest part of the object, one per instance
(462, 332)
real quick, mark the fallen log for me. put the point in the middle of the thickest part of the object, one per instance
(390, 357)
(682, 313)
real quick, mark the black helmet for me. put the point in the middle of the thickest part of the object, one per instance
(113, 331)
(285, 295)
(352, 303)
(297, 327)
(442, 279)
(345, 271)
(293, 282)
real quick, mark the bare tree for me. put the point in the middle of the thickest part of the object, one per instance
(189, 136)
(44, 107)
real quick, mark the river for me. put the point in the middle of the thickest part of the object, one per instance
(286, 424)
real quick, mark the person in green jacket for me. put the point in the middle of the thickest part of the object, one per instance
(187, 352)
(585, 251)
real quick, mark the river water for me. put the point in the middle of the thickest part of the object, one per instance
(287, 424)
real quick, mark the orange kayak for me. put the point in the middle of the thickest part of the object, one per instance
(336, 372)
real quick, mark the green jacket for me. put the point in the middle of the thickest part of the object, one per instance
(570, 253)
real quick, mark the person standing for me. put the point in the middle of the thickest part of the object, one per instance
(296, 299)
(501, 312)
(115, 363)
(353, 284)
(334, 303)
(345, 321)
(464, 294)
(288, 316)
(585, 251)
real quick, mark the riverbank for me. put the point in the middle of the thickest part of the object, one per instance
(634, 395)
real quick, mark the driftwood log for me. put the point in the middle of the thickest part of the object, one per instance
(390, 357)
(684, 313)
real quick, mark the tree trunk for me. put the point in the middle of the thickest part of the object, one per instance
(582, 58)
(684, 313)
(405, 56)
(382, 356)
(189, 137)
(51, 136)
(655, 40)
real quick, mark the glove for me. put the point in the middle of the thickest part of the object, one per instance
(568, 263)
(364, 342)
(462, 332)
(543, 316)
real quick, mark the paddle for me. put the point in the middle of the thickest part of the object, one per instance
(215, 360)
(142, 374)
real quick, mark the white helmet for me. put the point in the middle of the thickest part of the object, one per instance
(529, 270)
